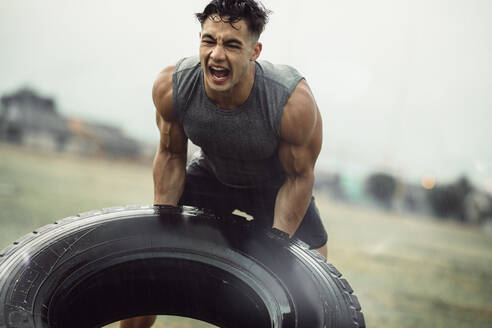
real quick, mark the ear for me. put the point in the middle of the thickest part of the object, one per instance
(256, 51)
(200, 35)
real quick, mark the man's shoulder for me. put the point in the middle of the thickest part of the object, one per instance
(165, 77)
(300, 115)
(188, 63)
(162, 91)
(283, 75)
(170, 78)
(186, 73)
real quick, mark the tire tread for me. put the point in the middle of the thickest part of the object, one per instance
(328, 268)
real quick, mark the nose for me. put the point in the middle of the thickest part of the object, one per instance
(218, 53)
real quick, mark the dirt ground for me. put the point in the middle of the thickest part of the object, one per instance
(408, 271)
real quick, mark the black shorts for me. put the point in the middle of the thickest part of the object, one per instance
(202, 189)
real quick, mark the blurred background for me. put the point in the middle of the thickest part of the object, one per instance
(404, 180)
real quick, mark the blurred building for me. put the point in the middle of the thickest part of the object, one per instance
(29, 119)
(96, 139)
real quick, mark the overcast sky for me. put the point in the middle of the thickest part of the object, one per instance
(403, 86)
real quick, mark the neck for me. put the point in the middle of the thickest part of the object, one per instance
(237, 95)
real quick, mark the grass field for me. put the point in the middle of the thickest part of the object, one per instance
(407, 271)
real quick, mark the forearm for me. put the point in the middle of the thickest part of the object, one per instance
(292, 202)
(169, 172)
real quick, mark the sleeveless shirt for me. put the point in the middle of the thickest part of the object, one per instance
(238, 146)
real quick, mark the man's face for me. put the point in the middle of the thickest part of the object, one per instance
(226, 53)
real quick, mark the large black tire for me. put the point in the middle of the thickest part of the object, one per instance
(102, 266)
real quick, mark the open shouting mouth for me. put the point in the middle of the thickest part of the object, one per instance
(219, 74)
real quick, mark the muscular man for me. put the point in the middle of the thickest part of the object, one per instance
(257, 125)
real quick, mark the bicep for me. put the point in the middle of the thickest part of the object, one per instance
(172, 136)
(301, 133)
(299, 159)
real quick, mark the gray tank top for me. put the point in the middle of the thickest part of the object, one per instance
(238, 146)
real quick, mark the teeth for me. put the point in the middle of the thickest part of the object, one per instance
(218, 68)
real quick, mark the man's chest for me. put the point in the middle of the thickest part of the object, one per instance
(244, 135)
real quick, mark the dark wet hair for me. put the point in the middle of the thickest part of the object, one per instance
(232, 11)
